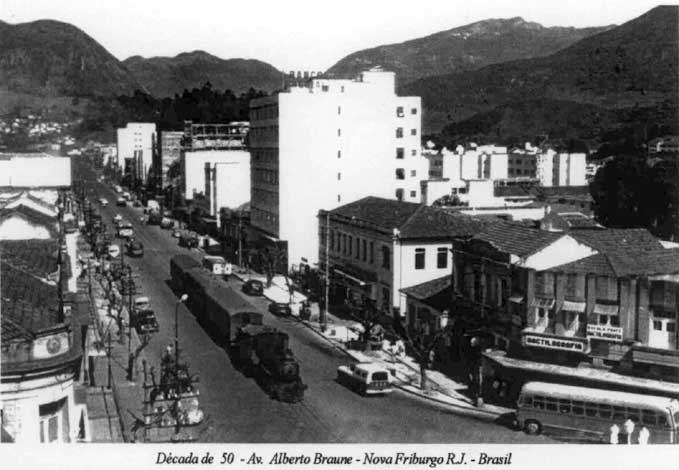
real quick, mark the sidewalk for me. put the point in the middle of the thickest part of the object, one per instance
(110, 398)
(443, 391)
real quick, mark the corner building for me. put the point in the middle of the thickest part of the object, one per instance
(326, 144)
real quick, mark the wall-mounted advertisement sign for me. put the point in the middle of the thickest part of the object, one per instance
(605, 332)
(553, 342)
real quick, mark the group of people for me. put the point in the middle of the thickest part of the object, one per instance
(644, 433)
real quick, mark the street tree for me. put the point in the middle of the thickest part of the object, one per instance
(421, 345)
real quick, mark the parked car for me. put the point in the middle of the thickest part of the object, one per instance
(366, 378)
(120, 202)
(144, 321)
(117, 218)
(253, 287)
(188, 240)
(126, 196)
(103, 201)
(135, 248)
(176, 233)
(125, 230)
(154, 218)
(166, 223)
(280, 309)
(118, 189)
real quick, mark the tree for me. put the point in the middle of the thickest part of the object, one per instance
(422, 346)
(365, 312)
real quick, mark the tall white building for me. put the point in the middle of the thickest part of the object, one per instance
(326, 144)
(561, 169)
(135, 148)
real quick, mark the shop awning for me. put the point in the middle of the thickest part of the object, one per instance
(540, 302)
(350, 277)
(517, 299)
(573, 306)
(605, 309)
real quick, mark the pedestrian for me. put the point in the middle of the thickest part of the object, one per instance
(629, 429)
(615, 433)
(644, 435)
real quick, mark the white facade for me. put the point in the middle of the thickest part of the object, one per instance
(136, 142)
(561, 169)
(195, 174)
(329, 144)
(34, 170)
(230, 184)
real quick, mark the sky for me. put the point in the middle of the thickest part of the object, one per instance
(295, 34)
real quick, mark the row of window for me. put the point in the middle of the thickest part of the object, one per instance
(265, 155)
(400, 112)
(265, 112)
(596, 410)
(399, 132)
(264, 133)
(359, 248)
(260, 215)
(400, 194)
(265, 197)
(264, 176)
(441, 258)
(401, 173)
(400, 152)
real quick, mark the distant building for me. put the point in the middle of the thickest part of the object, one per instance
(169, 153)
(666, 144)
(34, 170)
(325, 144)
(136, 149)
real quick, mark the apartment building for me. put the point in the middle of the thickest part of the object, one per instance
(329, 143)
(169, 153)
(136, 149)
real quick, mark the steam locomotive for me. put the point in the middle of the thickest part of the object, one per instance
(258, 350)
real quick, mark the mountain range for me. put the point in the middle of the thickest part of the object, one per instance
(468, 47)
(612, 76)
(165, 76)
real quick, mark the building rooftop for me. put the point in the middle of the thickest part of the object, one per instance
(29, 304)
(517, 239)
(36, 257)
(658, 262)
(436, 293)
(616, 241)
(411, 219)
(32, 216)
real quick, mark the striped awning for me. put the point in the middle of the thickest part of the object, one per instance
(573, 306)
(606, 309)
(540, 302)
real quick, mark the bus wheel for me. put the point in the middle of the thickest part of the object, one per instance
(532, 427)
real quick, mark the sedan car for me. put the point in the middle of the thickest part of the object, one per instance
(117, 218)
(121, 202)
(253, 287)
(280, 309)
(103, 201)
(135, 248)
(144, 321)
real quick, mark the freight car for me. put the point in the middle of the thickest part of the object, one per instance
(263, 352)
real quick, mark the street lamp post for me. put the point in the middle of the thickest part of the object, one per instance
(182, 299)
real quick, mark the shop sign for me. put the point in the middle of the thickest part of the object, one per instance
(550, 342)
(605, 332)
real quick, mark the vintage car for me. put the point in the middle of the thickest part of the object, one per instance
(121, 202)
(253, 287)
(366, 378)
(144, 321)
(280, 309)
(188, 240)
(134, 248)
(125, 230)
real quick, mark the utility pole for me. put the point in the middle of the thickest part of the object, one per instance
(240, 239)
(323, 319)
(129, 309)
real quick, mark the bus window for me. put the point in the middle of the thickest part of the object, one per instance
(591, 409)
(619, 413)
(550, 404)
(578, 408)
(662, 421)
(605, 411)
(633, 414)
(676, 418)
(539, 402)
(525, 401)
(564, 406)
(648, 417)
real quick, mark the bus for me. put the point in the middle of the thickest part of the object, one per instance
(591, 412)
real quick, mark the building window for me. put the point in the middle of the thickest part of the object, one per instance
(400, 174)
(358, 248)
(344, 243)
(372, 252)
(339, 154)
(339, 176)
(657, 325)
(339, 110)
(442, 258)
(339, 132)
(399, 152)
(413, 173)
(413, 152)
(332, 240)
(386, 254)
(419, 258)
(342, 89)
(365, 250)
(413, 111)
(399, 111)
(399, 132)
(351, 245)
(399, 194)
(339, 198)
(324, 88)
(413, 131)
(413, 193)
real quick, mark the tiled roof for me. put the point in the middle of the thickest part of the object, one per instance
(616, 240)
(429, 288)
(657, 262)
(564, 191)
(28, 303)
(386, 213)
(517, 239)
(37, 257)
(412, 220)
(30, 215)
(511, 191)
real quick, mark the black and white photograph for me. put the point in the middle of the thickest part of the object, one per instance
(348, 234)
